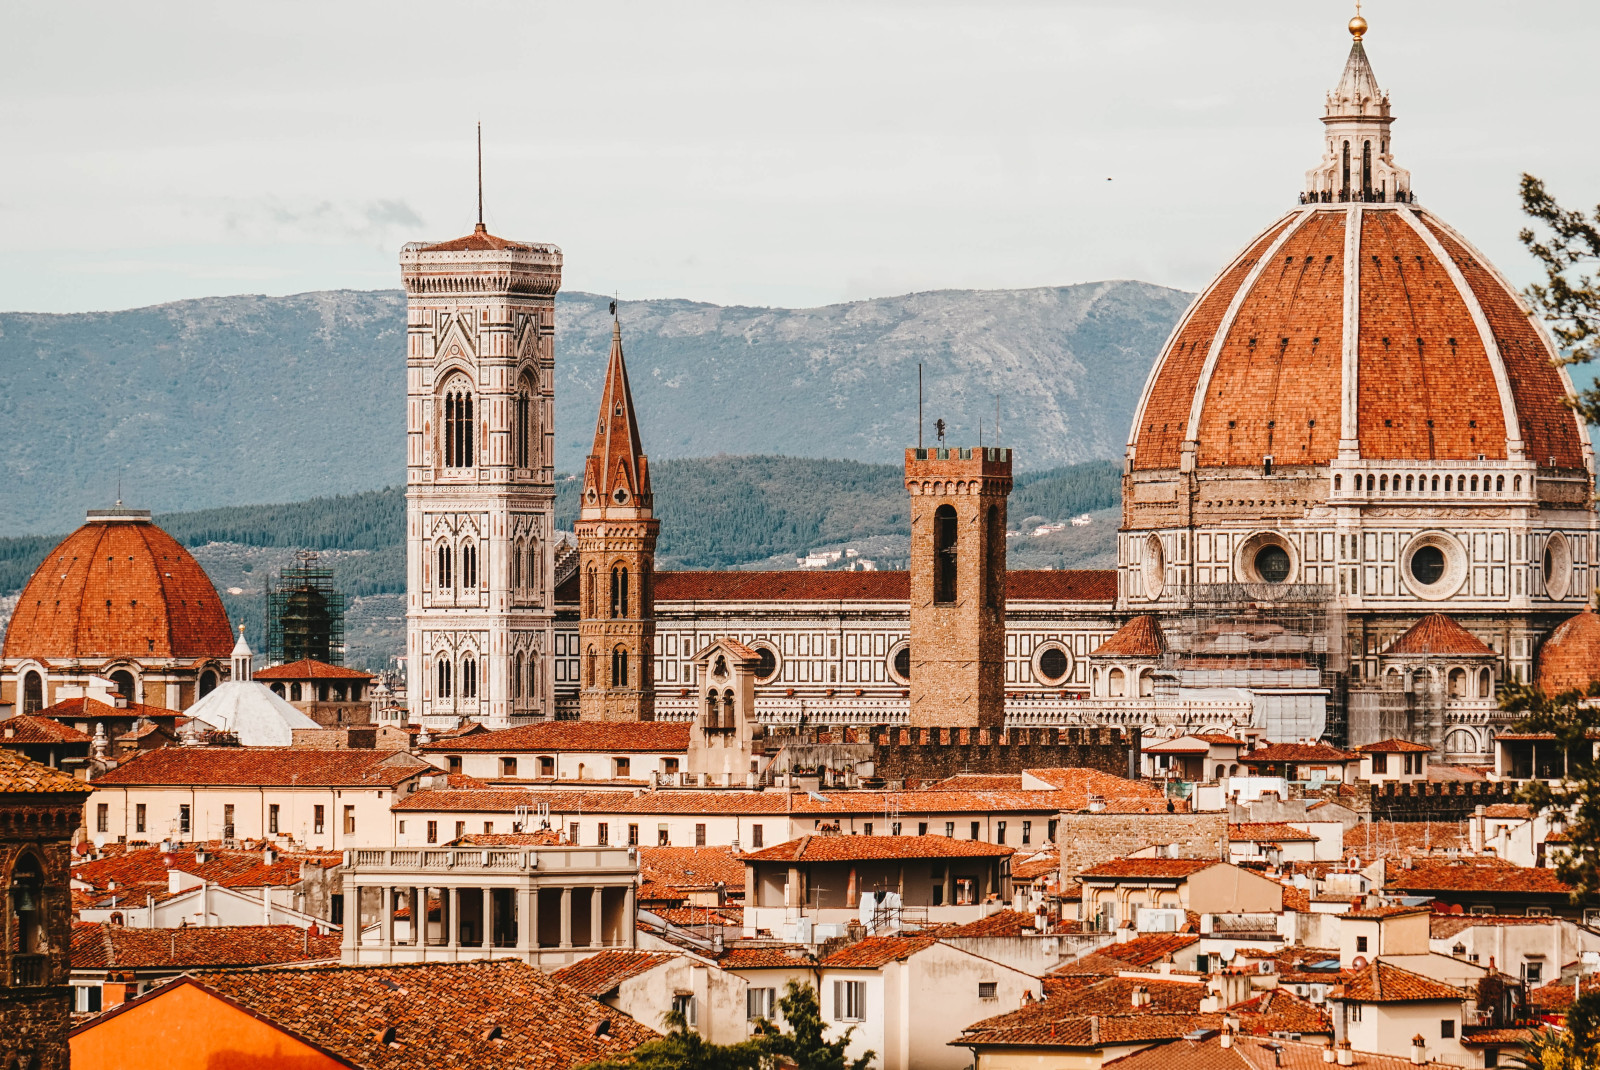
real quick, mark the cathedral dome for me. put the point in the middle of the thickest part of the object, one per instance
(1570, 658)
(118, 587)
(1358, 326)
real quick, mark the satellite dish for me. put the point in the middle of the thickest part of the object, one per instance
(1359, 962)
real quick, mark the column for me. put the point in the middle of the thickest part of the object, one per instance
(352, 920)
(528, 925)
(566, 917)
(450, 902)
(597, 926)
(629, 917)
(386, 926)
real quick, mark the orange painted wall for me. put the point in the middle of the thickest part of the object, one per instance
(186, 1029)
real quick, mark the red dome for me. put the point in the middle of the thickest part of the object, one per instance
(1442, 358)
(119, 587)
(1570, 657)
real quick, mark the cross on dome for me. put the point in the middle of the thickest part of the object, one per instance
(1357, 164)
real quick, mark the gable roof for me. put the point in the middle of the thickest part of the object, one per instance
(23, 775)
(1393, 746)
(310, 669)
(866, 848)
(687, 868)
(26, 728)
(1439, 634)
(442, 1014)
(876, 952)
(599, 974)
(1268, 831)
(268, 767)
(572, 736)
(1479, 876)
(1155, 868)
(1381, 982)
(1298, 752)
(104, 946)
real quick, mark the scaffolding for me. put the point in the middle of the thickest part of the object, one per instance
(1283, 642)
(305, 614)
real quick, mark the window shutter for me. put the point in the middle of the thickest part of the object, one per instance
(838, 1000)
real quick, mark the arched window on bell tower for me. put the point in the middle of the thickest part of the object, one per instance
(444, 575)
(443, 690)
(619, 666)
(944, 554)
(590, 596)
(619, 592)
(524, 429)
(456, 427)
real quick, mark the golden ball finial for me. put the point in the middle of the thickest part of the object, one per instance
(1358, 26)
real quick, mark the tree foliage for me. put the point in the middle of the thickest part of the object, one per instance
(1568, 248)
(681, 1048)
(1576, 1046)
(805, 1045)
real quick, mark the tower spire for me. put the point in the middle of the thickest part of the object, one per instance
(1357, 164)
(480, 227)
(617, 474)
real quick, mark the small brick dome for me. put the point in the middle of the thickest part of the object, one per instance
(1444, 361)
(119, 587)
(1570, 657)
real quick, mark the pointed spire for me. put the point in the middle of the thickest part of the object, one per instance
(617, 474)
(242, 657)
(1357, 164)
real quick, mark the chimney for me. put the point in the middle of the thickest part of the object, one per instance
(1419, 1050)
(1475, 830)
(1328, 1054)
(1346, 1057)
(1094, 1030)
(268, 856)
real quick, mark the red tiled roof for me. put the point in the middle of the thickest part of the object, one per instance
(103, 946)
(1475, 1037)
(146, 868)
(1439, 634)
(1148, 949)
(977, 782)
(1376, 913)
(573, 736)
(1097, 1014)
(1022, 585)
(1000, 923)
(1398, 839)
(783, 957)
(90, 708)
(1218, 739)
(1382, 982)
(688, 868)
(1046, 863)
(1508, 810)
(1298, 752)
(876, 952)
(310, 669)
(484, 1014)
(268, 767)
(1569, 657)
(866, 848)
(119, 588)
(1462, 877)
(23, 728)
(1394, 746)
(1253, 1053)
(1154, 868)
(23, 775)
(542, 838)
(1275, 831)
(599, 974)
(1279, 1010)
(1139, 638)
(479, 241)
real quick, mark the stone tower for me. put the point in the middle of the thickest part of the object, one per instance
(617, 546)
(958, 585)
(479, 483)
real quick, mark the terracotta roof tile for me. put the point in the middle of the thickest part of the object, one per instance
(145, 868)
(689, 868)
(310, 669)
(1382, 982)
(23, 775)
(89, 708)
(765, 958)
(479, 241)
(877, 951)
(1569, 657)
(599, 974)
(1154, 868)
(1298, 752)
(267, 766)
(1445, 926)
(481, 1014)
(1439, 634)
(1275, 831)
(1149, 949)
(23, 728)
(1376, 913)
(572, 736)
(1279, 1010)
(1139, 638)
(1394, 746)
(864, 848)
(1252, 1053)
(103, 946)
(1464, 877)
(1520, 811)
(1399, 839)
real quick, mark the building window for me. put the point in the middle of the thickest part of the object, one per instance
(444, 574)
(758, 1003)
(894, 828)
(1050, 830)
(318, 820)
(469, 566)
(922, 828)
(988, 989)
(1027, 833)
(683, 1003)
(950, 829)
(850, 997)
(458, 428)
(700, 835)
(619, 667)
(866, 829)
(349, 820)
(183, 818)
(227, 821)
(602, 834)
(622, 768)
(975, 835)
(508, 767)
(633, 835)
(454, 763)
(295, 692)
(572, 833)
(461, 829)
(1000, 833)
(1447, 1028)
(944, 554)
(1355, 1008)
(1380, 763)
(966, 891)
(88, 999)
(469, 678)
(138, 817)
(1361, 945)
(547, 766)
(756, 837)
(444, 674)
(524, 422)
(102, 817)
(619, 592)
(488, 828)
(662, 838)
(433, 832)
(33, 692)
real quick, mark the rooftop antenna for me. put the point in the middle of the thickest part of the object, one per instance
(919, 404)
(480, 174)
(997, 419)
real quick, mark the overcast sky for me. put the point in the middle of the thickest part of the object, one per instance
(761, 153)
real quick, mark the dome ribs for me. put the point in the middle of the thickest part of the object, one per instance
(1163, 420)
(1274, 389)
(1549, 429)
(1425, 387)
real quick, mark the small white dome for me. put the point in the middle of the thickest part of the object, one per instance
(251, 712)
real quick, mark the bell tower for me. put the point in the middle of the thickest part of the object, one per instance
(480, 488)
(616, 532)
(958, 585)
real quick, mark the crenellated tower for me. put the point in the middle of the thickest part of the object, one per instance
(480, 488)
(616, 533)
(958, 585)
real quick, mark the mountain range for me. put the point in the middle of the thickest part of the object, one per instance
(238, 400)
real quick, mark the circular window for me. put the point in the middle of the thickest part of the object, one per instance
(1154, 569)
(1051, 663)
(900, 663)
(1266, 557)
(1272, 563)
(1557, 566)
(766, 664)
(1427, 565)
(1434, 565)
